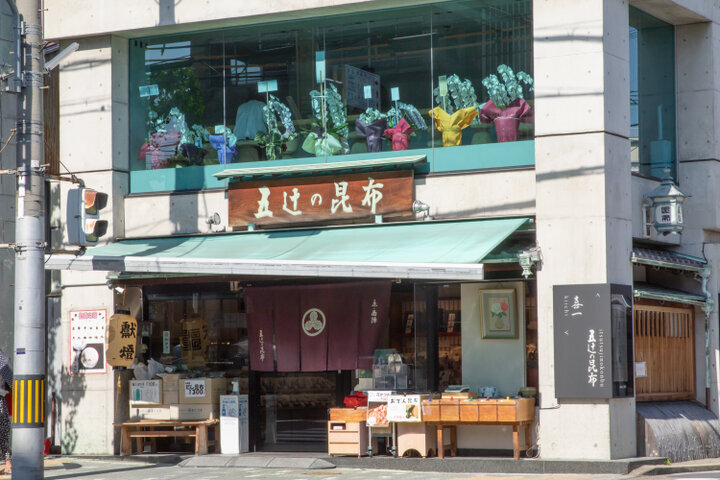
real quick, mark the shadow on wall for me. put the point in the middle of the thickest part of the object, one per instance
(68, 388)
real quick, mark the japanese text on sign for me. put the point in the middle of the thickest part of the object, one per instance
(317, 198)
(194, 388)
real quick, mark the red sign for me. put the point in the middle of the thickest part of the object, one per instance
(326, 198)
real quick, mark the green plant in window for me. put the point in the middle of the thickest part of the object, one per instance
(274, 140)
(177, 88)
(328, 134)
(460, 94)
(502, 93)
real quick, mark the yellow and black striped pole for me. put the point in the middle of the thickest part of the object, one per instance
(28, 401)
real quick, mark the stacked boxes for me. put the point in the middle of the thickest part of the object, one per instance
(176, 398)
(171, 388)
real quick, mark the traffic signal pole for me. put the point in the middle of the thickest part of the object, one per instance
(28, 431)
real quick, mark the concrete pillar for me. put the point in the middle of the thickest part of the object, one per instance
(93, 146)
(698, 110)
(584, 226)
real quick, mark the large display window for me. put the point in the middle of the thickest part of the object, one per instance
(652, 95)
(422, 79)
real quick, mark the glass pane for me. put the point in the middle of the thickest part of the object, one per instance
(361, 84)
(652, 94)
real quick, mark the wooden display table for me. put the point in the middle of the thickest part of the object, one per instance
(153, 429)
(347, 431)
(516, 412)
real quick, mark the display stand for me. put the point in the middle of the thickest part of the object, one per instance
(377, 423)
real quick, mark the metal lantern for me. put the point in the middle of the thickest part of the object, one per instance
(667, 204)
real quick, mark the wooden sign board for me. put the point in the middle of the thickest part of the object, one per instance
(319, 199)
(121, 340)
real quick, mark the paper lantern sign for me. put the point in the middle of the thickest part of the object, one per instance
(121, 340)
(194, 341)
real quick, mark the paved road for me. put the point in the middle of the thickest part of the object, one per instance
(71, 468)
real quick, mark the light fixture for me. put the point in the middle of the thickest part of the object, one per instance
(667, 206)
(213, 219)
(528, 258)
(421, 207)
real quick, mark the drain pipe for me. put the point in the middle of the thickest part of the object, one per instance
(707, 309)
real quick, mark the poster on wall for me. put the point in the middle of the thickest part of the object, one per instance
(87, 341)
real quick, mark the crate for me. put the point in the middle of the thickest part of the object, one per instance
(347, 438)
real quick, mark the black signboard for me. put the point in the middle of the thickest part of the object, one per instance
(593, 340)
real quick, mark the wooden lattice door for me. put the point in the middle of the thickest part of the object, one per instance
(664, 339)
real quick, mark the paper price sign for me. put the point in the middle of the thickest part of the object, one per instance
(194, 388)
(380, 396)
(404, 408)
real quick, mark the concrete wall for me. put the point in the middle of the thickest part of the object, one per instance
(584, 223)
(93, 146)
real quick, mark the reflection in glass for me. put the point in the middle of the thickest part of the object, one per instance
(652, 94)
(253, 93)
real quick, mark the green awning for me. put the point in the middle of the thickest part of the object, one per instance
(442, 250)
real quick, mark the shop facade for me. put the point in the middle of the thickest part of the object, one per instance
(383, 159)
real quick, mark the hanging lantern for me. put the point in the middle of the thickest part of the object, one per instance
(667, 204)
(121, 338)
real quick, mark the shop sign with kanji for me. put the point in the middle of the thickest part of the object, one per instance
(121, 340)
(320, 199)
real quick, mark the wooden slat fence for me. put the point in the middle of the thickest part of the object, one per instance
(664, 341)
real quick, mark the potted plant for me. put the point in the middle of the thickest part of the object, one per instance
(329, 134)
(456, 110)
(372, 124)
(404, 120)
(506, 107)
(274, 141)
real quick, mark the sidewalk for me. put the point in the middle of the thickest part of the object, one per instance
(267, 466)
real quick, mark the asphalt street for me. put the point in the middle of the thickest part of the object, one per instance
(69, 468)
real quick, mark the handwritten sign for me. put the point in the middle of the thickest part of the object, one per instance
(316, 199)
(362, 88)
(195, 388)
(404, 408)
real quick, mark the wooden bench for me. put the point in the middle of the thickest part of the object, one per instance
(154, 429)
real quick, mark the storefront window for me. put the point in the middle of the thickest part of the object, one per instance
(358, 86)
(652, 94)
(199, 330)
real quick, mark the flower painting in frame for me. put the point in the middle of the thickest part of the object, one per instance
(498, 313)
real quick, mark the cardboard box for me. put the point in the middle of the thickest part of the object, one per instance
(202, 390)
(171, 396)
(154, 412)
(143, 392)
(175, 412)
(171, 382)
(171, 387)
(194, 411)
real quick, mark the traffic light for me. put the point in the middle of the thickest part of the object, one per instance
(83, 216)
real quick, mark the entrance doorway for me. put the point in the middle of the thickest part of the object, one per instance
(664, 343)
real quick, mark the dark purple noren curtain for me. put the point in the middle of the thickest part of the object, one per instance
(318, 327)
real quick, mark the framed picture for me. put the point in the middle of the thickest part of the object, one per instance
(498, 312)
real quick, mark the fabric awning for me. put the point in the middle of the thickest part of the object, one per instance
(656, 292)
(442, 250)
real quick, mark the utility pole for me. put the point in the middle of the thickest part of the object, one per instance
(28, 431)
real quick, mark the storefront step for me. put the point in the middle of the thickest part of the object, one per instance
(261, 460)
(454, 464)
